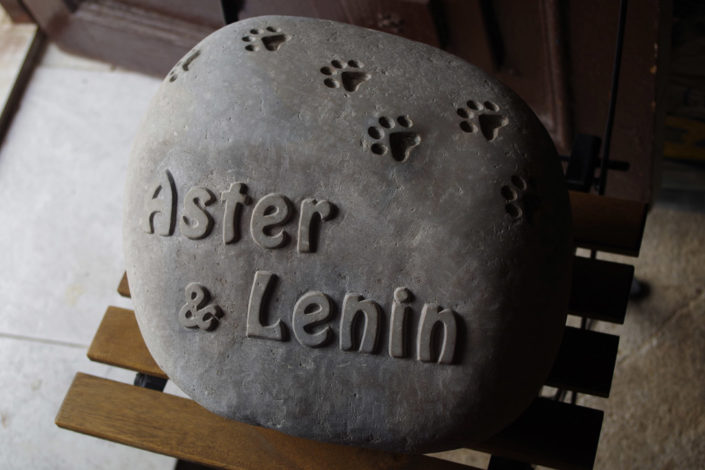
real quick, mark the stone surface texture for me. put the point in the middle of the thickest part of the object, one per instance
(436, 196)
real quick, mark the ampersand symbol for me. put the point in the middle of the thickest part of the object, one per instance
(195, 313)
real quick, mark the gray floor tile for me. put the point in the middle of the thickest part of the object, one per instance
(62, 172)
(33, 379)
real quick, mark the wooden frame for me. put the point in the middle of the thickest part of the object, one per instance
(22, 46)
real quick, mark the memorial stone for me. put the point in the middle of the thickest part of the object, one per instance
(347, 236)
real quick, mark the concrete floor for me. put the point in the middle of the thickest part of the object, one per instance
(62, 169)
(655, 416)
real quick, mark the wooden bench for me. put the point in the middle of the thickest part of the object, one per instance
(548, 433)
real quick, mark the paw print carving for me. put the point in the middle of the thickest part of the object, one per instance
(399, 142)
(346, 74)
(183, 65)
(489, 121)
(196, 312)
(519, 200)
(270, 38)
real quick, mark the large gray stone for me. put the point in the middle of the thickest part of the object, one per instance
(348, 236)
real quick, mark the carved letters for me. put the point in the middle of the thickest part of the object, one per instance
(398, 327)
(234, 198)
(195, 313)
(310, 311)
(261, 286)
(309, 209)
(273, 210)
(361, 321)
(161, 201)
(354, 305)
(196, 222)
(432, 315)
(267, 222)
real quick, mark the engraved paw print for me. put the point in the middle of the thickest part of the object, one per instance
(183, 64)
(347, 74)
(196, 313)
(399, 142)
(519, 199)
(270, 37)
(489, 121)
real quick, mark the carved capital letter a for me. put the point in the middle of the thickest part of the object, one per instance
(161, 201)
(261, 287)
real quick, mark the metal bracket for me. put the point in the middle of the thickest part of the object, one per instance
(149, 381)
(583, 160)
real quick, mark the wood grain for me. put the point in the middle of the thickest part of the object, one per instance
(118, 342)
(608, 224)
(550, 433)
(135, 35)
(178, 427)
(585, 361)
(600, 289)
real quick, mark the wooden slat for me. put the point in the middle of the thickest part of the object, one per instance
(124, 288)
(15, 10)
(145, 36)
(608, 224)
(550, 433)
(20, 49)
(600, 289)
(178, 427)
(118, 342)
(585, 362)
